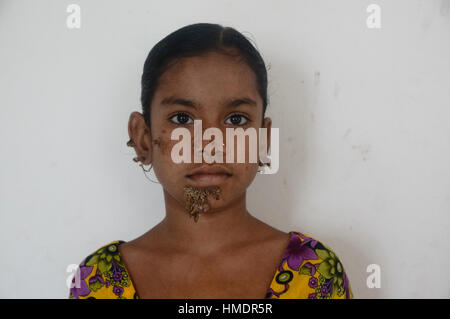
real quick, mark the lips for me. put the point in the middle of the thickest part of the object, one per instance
(207, 176)
(210, 170)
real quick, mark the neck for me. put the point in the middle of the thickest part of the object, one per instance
(214, 231)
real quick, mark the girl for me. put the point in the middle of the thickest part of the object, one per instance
(208, 245)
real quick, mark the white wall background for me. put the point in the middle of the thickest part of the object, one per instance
(364, 133)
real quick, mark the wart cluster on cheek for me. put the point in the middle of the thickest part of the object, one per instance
(197, 199)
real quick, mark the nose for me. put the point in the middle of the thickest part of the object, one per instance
(215, 146)
(213, 141)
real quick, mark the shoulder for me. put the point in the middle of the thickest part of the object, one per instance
(102, 275)
(310, 269)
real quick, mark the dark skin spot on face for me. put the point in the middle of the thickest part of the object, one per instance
(157, 141)
(164, 143)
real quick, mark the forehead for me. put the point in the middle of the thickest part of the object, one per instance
(208, 78)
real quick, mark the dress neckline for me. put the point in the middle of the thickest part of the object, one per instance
(280, 264)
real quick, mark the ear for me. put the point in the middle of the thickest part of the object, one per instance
(268, 124)
(140, 134)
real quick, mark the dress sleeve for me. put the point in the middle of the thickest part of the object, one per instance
(310, 270)
(102, 275)
(328, 277)
(81, 282)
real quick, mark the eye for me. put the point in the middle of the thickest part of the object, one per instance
(236, 119)
(181, 118)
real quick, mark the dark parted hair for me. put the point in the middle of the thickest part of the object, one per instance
(196, 39)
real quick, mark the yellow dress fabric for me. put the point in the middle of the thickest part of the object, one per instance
(308, 270)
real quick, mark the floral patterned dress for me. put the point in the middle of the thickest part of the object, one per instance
(308, 269)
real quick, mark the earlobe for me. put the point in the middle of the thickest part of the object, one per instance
(140, 138)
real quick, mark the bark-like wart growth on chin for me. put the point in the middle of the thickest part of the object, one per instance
(197, 199)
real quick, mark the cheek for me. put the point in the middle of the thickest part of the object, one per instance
(165, 168)
(244, 173)
(162, 144)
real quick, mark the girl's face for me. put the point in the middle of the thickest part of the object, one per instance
(222, 92)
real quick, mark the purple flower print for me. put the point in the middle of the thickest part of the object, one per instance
(312, 296)
(313, 282)
(118, 290)
(83, 290)
(324, 290)
(346, 288)
(307, 239)
(96, 278)
(310, 266)
(327, 287)
(297, 251)
(117, 276)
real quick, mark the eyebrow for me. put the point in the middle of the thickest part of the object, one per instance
(232, 102)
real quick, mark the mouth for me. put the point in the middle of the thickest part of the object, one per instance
(209, 179)
(209, 176)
